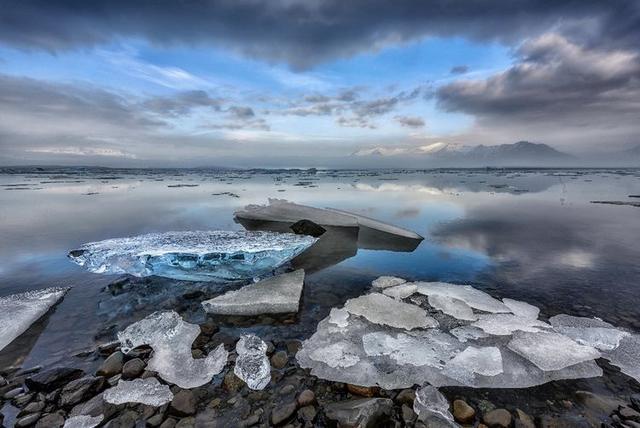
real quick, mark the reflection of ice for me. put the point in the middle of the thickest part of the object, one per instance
(195, 256)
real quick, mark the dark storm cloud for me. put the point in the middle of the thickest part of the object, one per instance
(410, 121)
(182, 103)
(304, 33)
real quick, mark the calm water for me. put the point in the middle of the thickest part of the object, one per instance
(526, 234)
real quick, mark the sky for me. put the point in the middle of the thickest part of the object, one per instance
(294, 83)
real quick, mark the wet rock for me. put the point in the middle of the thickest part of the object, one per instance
(293, 346)
(279, 359)
(94, 407)
(462, 412)
(49, 380)
(597, 408)
(283, 412)
(628, 413)
(21, 400)
(33, 407)
(27, 421)
(307, 227)
(232, 383)
(523, 420)
(13, 393)
(155, 420)
(287, 389)
(3, 381)
(565, 421)
(127, 419)
(408, 415)
(499, 418)
(635, 401)
(186, 423)
(306, 398)
(363, 412)
(112, 365)
(307, 413)
(183, 403)
(80, 389)
(1, 419)
(363, 391)
(51, 420)
(209, 329)
(406, 396)
(169, 423)
(133, 368)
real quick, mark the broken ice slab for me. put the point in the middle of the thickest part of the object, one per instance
(522, 309)
(429, 348)
(387, 281)
(339, 317)
(252, 364)
(551, 351)
(83, 421)
(19, 311)
(626, 356)
(467, 332)
(145, 391)
(588, 331)
(381, 309)
(506, 324)
(485, 361)
(193, 256)
(475, 298)
(279, 294)
(372, 233)
(171, 339)
(432, 407)
(401, 291)
(452, 307)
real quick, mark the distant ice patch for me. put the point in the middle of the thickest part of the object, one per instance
(19, 311)
(194, 256)
(171, 338)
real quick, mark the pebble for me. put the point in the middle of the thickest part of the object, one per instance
(27, 420)
(231, 382)
(408, 415)
(281, 413)
(307, 413)
(306, 398)
(183, 403)
(279, 360)
(287, 389)
(12, 393)
(169, 423)
(186, 423)
(499, 418)
(462, 412)
(33, 407)
(406, 396)
(155, 421)
(363, 391)
(51, 420)
(80, 389)
(133, 368)
(523, 420)
(629, 414)
(112, 365)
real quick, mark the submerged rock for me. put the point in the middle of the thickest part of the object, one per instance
(145, 391)
(252, 364)
(19, 311)
(280, 294)
(171, 339)
(194, 256)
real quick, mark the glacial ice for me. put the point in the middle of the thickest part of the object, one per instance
(171, 339)
(467, 332)
(279, 294)
(485, 361)
(339, 354)
(339, 317)
(551, 351)
(83, 421)
(194, 256)
(145, 391)
(452, 307)
(387, 281)
(19, 311)
(588, 331)
(252, 364)
(475, 298)
(522, 309)
(428, 348)
(505, 324)
(626, 356)
(432, 407)
(381, 309)
(400, 292)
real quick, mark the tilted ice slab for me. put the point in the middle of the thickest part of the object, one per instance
(171, 339)
(468, 332)
(279, 294)
(475, 298)
(280, 210)
(588, 331)
(145, 391)
(522, 309)
(83, 421)
(550, 350)
(386, 282)
(485, 361)
(381, 309)
(195, 256)
(19, 311)
(453, 307)
(432, 407)
(252, 364)
(400, 292)
(626, 356)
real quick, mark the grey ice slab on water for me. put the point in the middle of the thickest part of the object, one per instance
(400, 292)
(386, 282)
(194, 256)
(381, 309)
(551, 351)
(506, 324)
(279, 294)
(171, 339)
(588, 331)
(475, 298)
(144, 391)
(252, 364)
(83, 421)
(19, 311)
(452, 307)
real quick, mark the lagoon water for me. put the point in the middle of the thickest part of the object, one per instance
(526, 234)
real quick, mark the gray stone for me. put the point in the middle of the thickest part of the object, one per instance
(306, 398)
(169, 423)
(189, 422)
(49, 380)
(406, 396)
(408, 415)
(13, 393)
(365, 412)
(94, 407)
(155, 420)
(279, 359)
(183, 403)
(635, 401)
(499, 418)
(80, 389)
(628, 413)
(283, 412)
(27, 421)
(523, 420)
(51, 420)
(112, 365)
(133, 368)
(307, 413)
(33, 407)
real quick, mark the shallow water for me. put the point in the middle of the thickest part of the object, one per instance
(531, 235)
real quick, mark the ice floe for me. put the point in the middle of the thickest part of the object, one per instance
(400, 292)
(588, 331)
(83, 421)
(377, 345)
(252, 364)
(19, 311)
(453, 307)
(381, 309)
(387, 281)
(145, 391)
(195, 256)
(171, 338)
(279, 294)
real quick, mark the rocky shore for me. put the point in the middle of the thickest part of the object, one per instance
(46, 398)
